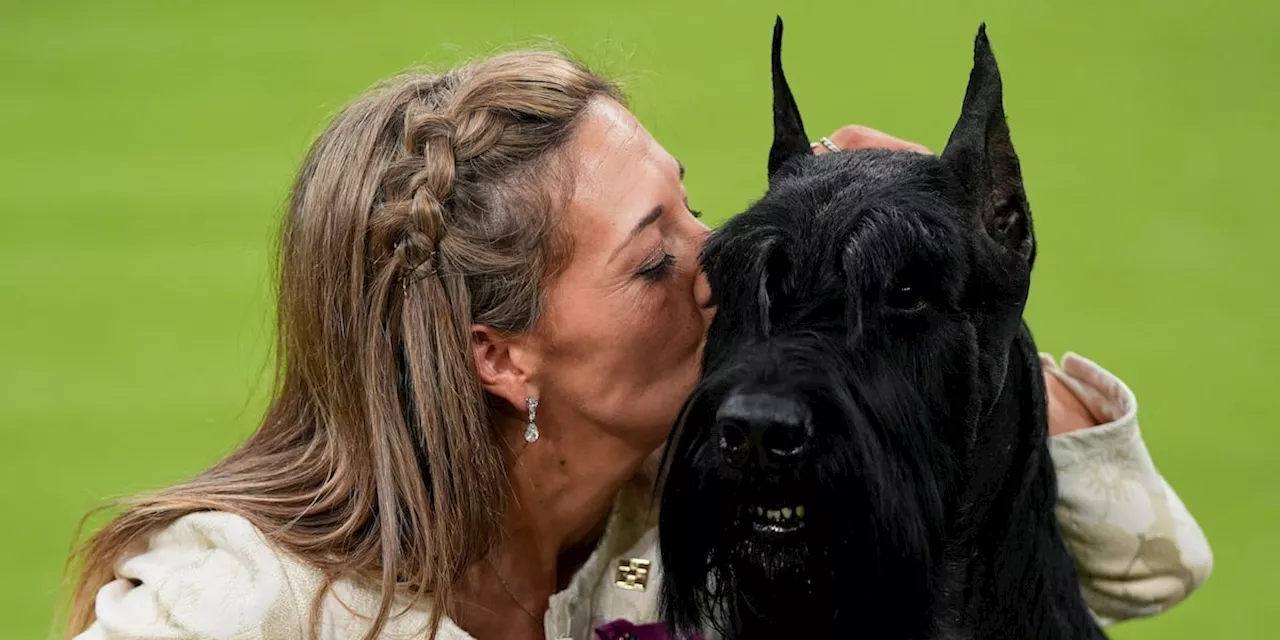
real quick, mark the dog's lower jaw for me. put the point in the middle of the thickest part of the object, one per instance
(858, 595)
(790, 582)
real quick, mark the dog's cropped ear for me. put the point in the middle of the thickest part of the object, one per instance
(789, 139)
(981, 152)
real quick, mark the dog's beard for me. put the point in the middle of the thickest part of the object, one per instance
(864, 551)
(775, 585)
(727, 564)
(791, 561)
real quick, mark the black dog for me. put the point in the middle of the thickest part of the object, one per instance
(866, 454)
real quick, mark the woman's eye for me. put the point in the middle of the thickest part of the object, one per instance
(905, 297)
(658, 270)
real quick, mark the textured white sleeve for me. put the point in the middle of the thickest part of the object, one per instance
(208, 575)
(1136, 547)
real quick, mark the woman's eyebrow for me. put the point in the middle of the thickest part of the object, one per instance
(647, 220)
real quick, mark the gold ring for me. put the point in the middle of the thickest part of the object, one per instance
(831, 146)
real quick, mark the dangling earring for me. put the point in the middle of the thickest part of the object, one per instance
(531, 431)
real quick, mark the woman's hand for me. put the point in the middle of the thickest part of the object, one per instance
(853, 137)
(1066, 412)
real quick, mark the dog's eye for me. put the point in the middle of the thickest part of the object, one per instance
(905, 297)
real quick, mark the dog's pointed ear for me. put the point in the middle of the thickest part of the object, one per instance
(981, 152)
(789, 139)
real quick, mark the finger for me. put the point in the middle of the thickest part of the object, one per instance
(854, 137)
(1066, 412)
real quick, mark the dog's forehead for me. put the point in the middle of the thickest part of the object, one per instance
(838, 222)
(880, 167)
(852, 178)
(832, 199)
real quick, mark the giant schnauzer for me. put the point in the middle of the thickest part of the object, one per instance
(865, 455)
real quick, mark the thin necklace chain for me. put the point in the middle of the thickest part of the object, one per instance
(511, 594)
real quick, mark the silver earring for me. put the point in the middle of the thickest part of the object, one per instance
(531, 431)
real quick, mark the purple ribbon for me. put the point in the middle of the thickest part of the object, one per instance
(624, 630)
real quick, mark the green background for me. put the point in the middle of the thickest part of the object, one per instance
(146, 149)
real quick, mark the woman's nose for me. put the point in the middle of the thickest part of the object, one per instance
(701, 287)
(702, 290)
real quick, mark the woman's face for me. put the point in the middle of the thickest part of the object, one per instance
(620, 340)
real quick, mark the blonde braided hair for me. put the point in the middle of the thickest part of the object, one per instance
(425, 207)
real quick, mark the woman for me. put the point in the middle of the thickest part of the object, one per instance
(483, 335)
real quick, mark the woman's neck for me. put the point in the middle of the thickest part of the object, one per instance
(563, 487)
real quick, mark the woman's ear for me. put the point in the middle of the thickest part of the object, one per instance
(505, 365)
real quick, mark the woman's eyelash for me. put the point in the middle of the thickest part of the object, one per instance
(658, 270)
(696, 213)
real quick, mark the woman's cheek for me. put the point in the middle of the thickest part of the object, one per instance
(649, 317)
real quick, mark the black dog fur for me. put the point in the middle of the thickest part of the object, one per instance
(869, 362)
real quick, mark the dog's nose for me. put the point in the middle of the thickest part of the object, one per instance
(769, 428)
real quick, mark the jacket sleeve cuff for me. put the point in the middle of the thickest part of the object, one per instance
(1137, 549)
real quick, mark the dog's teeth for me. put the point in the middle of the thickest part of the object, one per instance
(800, 511)
(786, 513)
(773, 515)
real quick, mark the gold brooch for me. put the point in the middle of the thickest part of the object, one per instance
(633, 574)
